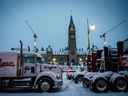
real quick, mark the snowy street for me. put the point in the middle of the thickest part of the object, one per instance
(69, 89)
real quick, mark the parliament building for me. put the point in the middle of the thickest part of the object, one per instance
(71, 55)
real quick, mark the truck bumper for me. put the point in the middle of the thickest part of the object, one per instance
(58, 84)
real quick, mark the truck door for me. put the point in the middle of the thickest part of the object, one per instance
(30, 65)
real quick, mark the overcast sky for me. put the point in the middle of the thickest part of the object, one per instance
(50, 20)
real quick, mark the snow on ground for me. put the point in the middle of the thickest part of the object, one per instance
(69, 89)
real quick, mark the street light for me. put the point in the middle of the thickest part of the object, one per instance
(80, 59)
(90, 28)
(54, 60)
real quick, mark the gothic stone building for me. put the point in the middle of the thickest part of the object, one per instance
(71, 56)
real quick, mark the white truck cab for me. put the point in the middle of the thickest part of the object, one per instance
(28, 70)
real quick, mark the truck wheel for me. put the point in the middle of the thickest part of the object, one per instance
(120, 84)
(44, 85)
(85, 83)
(78, 79)
(100, 85)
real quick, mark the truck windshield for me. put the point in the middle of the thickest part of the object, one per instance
(32, 59)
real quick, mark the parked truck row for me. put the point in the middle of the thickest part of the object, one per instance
(107, 69)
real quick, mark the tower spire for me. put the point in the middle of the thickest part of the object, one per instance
(72, 42)
(71, 23)
(71, 19)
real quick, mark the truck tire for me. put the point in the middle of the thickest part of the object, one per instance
(85, 83)
(100, 85)
(45, 84)
(78, 79)
(120, 84)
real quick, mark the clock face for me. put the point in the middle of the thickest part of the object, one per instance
(71, 29)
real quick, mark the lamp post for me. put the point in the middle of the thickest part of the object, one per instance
(90, 28)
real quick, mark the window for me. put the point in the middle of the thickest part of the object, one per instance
(32, 59)
(29, 60)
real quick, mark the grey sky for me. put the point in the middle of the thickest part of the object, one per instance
(50, 19)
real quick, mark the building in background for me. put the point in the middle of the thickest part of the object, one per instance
(69, 55)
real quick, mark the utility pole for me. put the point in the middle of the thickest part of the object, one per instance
(90, 28)
(88, 31)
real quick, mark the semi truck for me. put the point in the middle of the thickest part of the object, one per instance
(112, 72)
(18, 69)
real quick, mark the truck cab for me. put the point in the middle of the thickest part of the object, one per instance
(28, 70)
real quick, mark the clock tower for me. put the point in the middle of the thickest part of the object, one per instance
(72, 53)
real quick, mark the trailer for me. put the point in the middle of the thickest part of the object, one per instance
(112, 73)
(103, 81)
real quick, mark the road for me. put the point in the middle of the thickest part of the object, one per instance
(69, 89)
